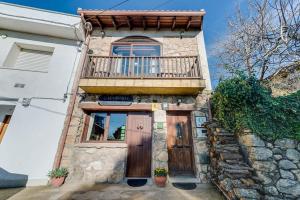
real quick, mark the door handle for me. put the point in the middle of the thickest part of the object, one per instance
(141, 127)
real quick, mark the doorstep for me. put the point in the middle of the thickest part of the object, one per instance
(184, 179)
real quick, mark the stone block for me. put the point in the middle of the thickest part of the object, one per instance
(271, 190)
(297, 173)
(285, 143)
(293, 154)
(277, 157)
(286, 174)
(264, 178)
(246, 193)
(266, 166)
(289, 187)
(204, 158)
(277, 151)
(160, 116)
(260, 153)
(286, 164)
(162, 156)
(251, 141)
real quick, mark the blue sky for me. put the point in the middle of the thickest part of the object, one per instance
(217, 13)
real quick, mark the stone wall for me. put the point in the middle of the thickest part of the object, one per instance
(171, 43)
(106, 162)
(98, 163)
(285, 81)
(277, 164)
(159, 140)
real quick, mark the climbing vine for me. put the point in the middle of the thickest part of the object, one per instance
(244, 102)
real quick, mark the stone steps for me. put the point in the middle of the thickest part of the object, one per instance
(230, 172)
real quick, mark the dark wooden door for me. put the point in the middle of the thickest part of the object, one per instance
(180, 148)
(139, 145)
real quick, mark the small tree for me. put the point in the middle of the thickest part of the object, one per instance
(262, 39)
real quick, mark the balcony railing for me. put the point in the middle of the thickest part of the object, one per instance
(142, 67)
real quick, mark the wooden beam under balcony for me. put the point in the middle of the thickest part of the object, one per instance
(114, 22)
(129, 23)
(173, 23)
(189, 20)
(120, 86)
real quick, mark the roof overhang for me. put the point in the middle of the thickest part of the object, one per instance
(146, 19)
(41, 22)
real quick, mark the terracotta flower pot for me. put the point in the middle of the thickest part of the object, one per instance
(57, 182)
(160, 181)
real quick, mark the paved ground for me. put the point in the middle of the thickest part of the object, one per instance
(115, 192)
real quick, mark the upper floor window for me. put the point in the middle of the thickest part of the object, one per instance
(136, 46)
(29, 58)
(138, 55)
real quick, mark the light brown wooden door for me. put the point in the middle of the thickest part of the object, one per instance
(4, 125)
(180, 148)
(139, 144)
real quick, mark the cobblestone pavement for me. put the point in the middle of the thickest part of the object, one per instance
(116, 192)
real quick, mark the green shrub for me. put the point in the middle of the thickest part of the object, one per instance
(243, 102)
(57, 173)
(160, 172)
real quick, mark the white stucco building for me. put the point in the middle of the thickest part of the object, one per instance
(39, 55)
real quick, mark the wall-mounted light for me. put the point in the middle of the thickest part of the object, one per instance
(3, 36)
(102, 33)
(181, 34)
(179, 101)
(90, 51)
(165, 106)
(26, 102)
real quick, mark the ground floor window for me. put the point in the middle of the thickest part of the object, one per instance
(105, 126)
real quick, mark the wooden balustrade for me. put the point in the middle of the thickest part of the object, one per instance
(142, 67)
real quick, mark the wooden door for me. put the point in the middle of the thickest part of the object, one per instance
(139, 145)
(4, 125)
(180, 148)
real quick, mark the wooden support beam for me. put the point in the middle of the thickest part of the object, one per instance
(173, 23)
(158, 23)
(100, 22)
(129, 23)
(114, 22)
(188, 24)
(144, 23)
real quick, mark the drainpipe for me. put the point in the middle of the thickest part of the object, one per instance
(63, 137)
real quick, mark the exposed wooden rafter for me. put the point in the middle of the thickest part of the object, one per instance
(158, 20)
(158, 23)
(173, 23)
(144, 22)
(129, 23)
(114, 22)
(188, 24)
(99, 22)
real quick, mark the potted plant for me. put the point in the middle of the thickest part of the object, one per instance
(160, 177)
(58, 176)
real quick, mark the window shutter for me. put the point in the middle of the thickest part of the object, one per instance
(33, 60)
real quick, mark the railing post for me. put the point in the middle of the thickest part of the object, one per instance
(142, 68)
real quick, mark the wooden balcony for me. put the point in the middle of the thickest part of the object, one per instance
(179, 75)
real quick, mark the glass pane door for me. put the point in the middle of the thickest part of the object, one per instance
(150, 60)
(120, 65)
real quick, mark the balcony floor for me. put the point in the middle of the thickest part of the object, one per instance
(124, 86)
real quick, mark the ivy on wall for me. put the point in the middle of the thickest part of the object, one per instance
(243, 102)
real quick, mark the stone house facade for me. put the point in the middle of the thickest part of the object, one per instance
(141, 99)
